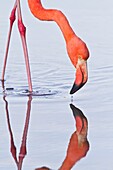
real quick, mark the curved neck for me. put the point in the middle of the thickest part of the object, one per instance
(51, 15)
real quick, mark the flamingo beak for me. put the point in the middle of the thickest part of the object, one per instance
(76, 111)
(81, 120)
(81, 76)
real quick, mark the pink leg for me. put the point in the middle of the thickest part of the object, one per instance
(12, 19)
(12, 148)
(22, 31)
(23, 149)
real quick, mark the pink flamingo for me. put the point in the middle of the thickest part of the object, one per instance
(76, 48)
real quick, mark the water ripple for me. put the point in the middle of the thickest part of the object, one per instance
(24, 92)
(102, 75)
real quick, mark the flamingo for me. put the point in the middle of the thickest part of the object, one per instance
(76, 48)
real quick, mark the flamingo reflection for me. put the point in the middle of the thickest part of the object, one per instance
(23, 151)
(78, 144)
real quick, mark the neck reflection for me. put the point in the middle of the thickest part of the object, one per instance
(23, 151)
(78, 145)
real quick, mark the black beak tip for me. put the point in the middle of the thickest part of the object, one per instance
(74, 89)
(76, 111)
(73, 109)
(72, 106)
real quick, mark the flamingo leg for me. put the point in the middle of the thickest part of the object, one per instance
(12, 19)
(22, 30)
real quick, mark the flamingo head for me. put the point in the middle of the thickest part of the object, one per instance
(81, 75)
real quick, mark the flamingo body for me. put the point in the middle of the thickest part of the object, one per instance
(76, 48)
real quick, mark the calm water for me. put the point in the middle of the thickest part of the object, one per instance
(40, 128)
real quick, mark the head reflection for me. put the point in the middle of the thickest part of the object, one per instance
(23, 151)
(78, 145)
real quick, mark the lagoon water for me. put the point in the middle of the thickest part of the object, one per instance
(50, 122)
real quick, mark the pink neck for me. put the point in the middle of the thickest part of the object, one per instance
(51, 15)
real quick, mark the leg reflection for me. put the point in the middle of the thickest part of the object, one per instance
(23, 151)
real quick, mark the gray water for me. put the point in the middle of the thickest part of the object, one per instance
(51, 122)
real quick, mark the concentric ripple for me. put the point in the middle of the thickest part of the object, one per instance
(49, 79)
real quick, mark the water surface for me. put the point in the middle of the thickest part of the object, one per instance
(50, 121)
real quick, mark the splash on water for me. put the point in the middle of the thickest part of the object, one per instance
(24, 92)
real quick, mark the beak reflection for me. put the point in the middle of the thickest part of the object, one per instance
(78, 144)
